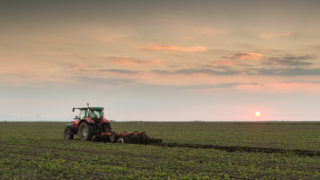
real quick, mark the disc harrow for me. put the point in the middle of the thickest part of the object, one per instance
(137, 138)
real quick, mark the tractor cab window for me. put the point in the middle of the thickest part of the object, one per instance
(83, 114)
(94, 114)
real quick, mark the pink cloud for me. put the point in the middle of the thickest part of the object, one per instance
(126, 60)
(246, 55)
(176, 48)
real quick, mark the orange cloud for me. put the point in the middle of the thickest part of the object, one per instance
(246, 55)
(176, 48)
(126, 60)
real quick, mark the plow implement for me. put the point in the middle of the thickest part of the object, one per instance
(130, 138)
(136, 138)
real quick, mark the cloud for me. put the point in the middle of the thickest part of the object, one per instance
(264, 71)
(103, 81)
(84, 70)
(61, 40)
(219, 87)
(123, 71)
(290, 72)
(289, 60)
(78, 65)
(222, 64)
(176, 48)
(308, 56)
(246, 55)
(126, 60)
(215, 66)
(275, 35)
(248, 85)
(300, 72)
(286, 62)
(206, 86)
(192, 71)
(161, 72)
(207, 71)
(225, 62)
(245, 65)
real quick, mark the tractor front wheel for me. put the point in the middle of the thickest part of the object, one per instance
(86, 131)
(67, 133)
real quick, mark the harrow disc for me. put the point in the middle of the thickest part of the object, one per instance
(141, 139)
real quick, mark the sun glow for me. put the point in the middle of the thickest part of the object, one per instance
(257, 114)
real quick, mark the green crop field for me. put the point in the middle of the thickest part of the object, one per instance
(39, 151)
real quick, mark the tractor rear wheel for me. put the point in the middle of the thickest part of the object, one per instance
(86, 131)
(67, 133)
(113, 137)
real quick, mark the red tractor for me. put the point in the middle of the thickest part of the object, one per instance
(91, 122)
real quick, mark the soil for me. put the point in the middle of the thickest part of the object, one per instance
(241, 149)
(229, 148)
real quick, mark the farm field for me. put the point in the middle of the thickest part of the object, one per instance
(38, 151)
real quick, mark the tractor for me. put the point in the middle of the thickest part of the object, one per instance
(91, 122)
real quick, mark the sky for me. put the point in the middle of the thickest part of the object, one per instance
(161, 60)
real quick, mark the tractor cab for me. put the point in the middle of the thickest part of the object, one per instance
(94, 113)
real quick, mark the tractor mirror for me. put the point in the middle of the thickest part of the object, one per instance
(72, 109)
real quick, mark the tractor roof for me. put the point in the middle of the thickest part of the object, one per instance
(91, 108)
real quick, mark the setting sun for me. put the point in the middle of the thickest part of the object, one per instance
(257, 114)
